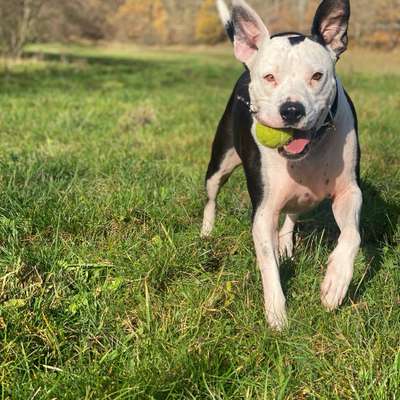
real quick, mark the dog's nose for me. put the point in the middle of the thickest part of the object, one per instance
(292, 112)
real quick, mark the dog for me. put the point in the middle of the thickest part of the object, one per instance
(290, 82)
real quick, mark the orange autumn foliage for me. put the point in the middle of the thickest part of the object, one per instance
(208, 28)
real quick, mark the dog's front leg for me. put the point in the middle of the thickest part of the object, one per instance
(346, 209)
(265, 236)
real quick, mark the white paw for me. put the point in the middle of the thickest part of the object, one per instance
(286, 246)
(208, 219)
(206, 230)
(276, 316)
(335, 285)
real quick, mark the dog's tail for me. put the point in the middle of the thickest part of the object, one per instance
(226, 18)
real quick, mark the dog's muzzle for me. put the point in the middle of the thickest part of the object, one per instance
(303, 141)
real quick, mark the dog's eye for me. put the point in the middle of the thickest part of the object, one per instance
(317, 76)
(270, 78)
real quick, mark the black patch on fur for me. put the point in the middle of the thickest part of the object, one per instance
(234, 130)
(295, 40)
(223, 140)
(318, 39)
(353, 110)
(230, 30)
(280, 34)
(335, 102)
(245, 144)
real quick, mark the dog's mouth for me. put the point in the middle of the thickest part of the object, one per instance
(299, 146)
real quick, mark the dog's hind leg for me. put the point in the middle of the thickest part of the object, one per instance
(224, 159)
(286, 236)
(216, 177)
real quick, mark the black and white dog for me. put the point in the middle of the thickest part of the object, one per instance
(290, 82)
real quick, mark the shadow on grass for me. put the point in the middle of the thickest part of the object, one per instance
(88, 59)
(136, 77)
(69, 72)
(88, 72)
(287, 273)
(378, 230)
(379, 219)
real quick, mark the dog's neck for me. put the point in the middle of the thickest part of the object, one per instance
(329, 123)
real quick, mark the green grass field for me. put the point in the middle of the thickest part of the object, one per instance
(107, 290)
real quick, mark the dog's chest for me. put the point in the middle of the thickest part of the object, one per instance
(301, 185)
(307, 185)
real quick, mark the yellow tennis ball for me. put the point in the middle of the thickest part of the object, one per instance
(271, 137)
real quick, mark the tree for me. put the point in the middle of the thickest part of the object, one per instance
(74, 20)
(208, 25)
(160, 20)
(18, 19)
(387, 27)
(142, 20)
(375, 23)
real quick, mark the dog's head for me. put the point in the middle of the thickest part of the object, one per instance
(293, 82)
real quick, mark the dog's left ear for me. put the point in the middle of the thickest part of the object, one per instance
(331, 23)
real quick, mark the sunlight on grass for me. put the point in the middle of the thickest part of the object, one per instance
(107, 290)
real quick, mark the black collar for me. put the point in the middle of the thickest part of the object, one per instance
(330, 119)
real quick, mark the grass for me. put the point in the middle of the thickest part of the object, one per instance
(106, 289)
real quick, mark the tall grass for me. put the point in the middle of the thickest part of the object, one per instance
(107, 291)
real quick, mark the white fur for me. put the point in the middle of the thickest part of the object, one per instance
(266, 244)
(299, 186)
(224, 12)
(293, 72)
(346, 208)
(286, 235)
(293, 67)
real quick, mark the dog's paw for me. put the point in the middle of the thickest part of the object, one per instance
(276, 316)
(208, 219)
(335, 286)
(278, 323)
(206, 230)
(286, 246)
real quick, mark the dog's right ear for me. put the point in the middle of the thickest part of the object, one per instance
(249, 31)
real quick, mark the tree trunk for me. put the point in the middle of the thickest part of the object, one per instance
(17, 20)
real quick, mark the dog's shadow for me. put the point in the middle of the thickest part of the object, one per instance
(379, 219)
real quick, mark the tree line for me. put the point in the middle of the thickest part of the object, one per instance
(374, 23)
